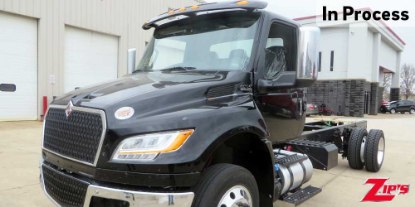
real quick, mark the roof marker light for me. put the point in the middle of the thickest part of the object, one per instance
(171, 11)
(194, 7)
(242, 2)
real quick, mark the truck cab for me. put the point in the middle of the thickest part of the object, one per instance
(199, 122)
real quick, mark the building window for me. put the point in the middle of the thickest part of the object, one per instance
(319, 62)
(331, 60)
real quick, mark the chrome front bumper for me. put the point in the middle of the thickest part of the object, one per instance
(134, 198)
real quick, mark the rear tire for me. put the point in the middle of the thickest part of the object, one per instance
(226, 185)
(374, 150)
(354, 149)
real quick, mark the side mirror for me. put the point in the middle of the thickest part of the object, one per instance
(131, 60)
(7, 87)
(307, 61)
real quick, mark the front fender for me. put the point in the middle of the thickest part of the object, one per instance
(211, 124)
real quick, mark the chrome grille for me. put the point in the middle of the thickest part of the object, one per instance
(77, 137)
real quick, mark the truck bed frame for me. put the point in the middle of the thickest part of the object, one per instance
(321, 141)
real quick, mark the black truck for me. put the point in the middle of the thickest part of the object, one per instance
(213, 115)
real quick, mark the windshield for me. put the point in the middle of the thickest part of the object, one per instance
(220, 42)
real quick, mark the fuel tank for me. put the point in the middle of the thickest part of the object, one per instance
(293, 169)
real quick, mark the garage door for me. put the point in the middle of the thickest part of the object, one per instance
(18, 65)
(90, 58)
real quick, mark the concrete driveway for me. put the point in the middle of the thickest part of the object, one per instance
(342, 186)
(19, 155)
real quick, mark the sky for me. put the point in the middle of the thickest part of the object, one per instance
(405, 29)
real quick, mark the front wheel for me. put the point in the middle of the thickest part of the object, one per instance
(226, 185)
(393, 111)
(412, 111)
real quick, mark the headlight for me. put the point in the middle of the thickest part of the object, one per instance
(148, 146)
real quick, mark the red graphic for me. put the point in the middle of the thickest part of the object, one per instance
(381, 192)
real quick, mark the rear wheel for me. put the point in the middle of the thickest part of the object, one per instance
(356, 147)
(374, 150)
(226, 185)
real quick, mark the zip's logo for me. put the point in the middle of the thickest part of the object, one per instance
(381, 192)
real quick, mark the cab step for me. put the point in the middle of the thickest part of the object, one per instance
(299, 196)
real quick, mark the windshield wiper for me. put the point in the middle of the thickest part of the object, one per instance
(138, 70)
(174, 69)
(178, 68)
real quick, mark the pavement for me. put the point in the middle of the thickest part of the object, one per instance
(20, 152)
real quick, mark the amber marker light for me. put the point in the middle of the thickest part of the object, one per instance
(242, 2)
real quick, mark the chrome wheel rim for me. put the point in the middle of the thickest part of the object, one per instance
(362, 150)
(412, 111)
(237, 196)
(381, 150)
(393, 111)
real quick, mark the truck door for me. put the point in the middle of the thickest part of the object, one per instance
(283, 110)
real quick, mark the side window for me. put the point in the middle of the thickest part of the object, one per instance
(280, 50)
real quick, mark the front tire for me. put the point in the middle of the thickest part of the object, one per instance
(374, 150)
(412, 111)
(393, 111)
(226, 185)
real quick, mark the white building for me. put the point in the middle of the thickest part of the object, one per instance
(357, 50)
(48, 47)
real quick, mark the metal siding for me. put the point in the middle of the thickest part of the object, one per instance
(122, 18)
(8, 5)
(388, 56)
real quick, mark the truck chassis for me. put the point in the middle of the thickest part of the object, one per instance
(321, 142)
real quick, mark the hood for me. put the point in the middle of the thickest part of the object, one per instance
(157, 92)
